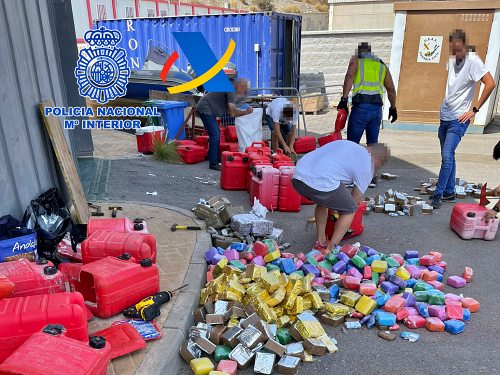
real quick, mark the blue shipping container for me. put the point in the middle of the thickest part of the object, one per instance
(276, 64)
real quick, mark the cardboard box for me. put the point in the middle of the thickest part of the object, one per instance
(313, 103)
(333, 321)
(230, 336)
(314, 346)
(215, 319)
(199, 315)
(204, 344)
(253, 320)
(242, 356)
(295, 349)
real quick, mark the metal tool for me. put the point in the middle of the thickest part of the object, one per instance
(98, 210)
(115, 210)
(184, 227)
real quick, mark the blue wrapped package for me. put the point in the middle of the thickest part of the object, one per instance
(287, 265)
(436, 268)
(390, 272)
(409, 299)
(221, 251)
(312, 253)
(365, 319)
(210, 253)
(409, 254)
(411, 283)
(371, 322)
(423, 309)
(466, 313)
(238, 246)
(410, 336)
(401, 284)
(339, 267)
(371, 258)
(343, 257)
(385, 319)
(454, 326)
(382, 299)
(388, 287)
(334, 292)
(413, 261)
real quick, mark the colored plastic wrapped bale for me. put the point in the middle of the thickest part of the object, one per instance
(389, 288)
(436, 298)
(379, 266)
(421, 285)
(309, 268)
(350, 298)
(222, 352)
(371, 259)
(403, 273)
(456, 281)
(454, 312)
(401, 284)
(351, 283)
(349, 250)
(367, 289)
(394, 304)
(437, 285)
(414, 271)
(365, 305)
(391, 262)
(454, 326)
(411, 254)
(260, 248)
(410, 336)
(287, 266)
(467, 274)
(339, 267)
(228, 366)
(423, 309)
(429, 275)
(402, 314)
(436, 268)
(410, 299)
(466, 315)
(201, 366)
(385, 319)
(414, 321)
(334, 291)
(437, 312)
(434, 324)
(382, 298)
(471, 304)
(353, 271)
(358, 261)
(427, 260)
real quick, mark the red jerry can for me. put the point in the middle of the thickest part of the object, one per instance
(305, 202)
(335, 136)
(289, 199)
(256, 146)
(252, 170)
(228, 146)
(265, 187)
(202, 140)
(184, 142)
(259, 155)
(341, 120)
(467, 221)
(6, 287)
(32, 278)
(356, 226)
(304, 144)
(101, 244)
(279, 156)
(110, 285)
(51, 351)
(234, 171)
(20, 317)
(230, 134)
(192, 154)
(118, 224)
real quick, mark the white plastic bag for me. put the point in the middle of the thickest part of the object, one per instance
(249, 129)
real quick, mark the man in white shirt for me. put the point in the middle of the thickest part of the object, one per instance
(322, 176)
(465, 69)
(282, 117)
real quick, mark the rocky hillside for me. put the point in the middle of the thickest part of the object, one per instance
(285, 6)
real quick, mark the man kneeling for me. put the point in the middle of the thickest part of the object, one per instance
(322, 176)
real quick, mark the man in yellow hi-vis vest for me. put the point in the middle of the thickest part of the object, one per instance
(367, 75)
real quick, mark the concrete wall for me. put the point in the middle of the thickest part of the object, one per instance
(314, 21)
(31, 72)
(362, 15)
(325, 56)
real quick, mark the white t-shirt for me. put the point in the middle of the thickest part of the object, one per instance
(340, 161)
(275, 110)
(460, 86)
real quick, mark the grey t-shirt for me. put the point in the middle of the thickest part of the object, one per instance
(216, 103)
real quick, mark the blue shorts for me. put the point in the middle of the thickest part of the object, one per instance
(285, 128)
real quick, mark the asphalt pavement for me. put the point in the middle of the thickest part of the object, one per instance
(361, 351)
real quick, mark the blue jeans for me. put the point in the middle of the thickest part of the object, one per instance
(285, 128)
(450, 133)
(364, 117)
(212, 128)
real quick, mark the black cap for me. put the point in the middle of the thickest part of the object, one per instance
(97, 342)
(138, 220)
(146, 262)
(42, 261)
(125, 256)
(138, 226)
(54, 329)
(50, 270)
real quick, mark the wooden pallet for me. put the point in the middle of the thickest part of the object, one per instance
(78, 209)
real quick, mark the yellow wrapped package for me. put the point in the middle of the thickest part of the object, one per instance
(310, 329)
(273, 255)
(307, 283)
(219, 267)
(264, 311)
(350, 298)
(403, 273)
(231, 271)
(254, 290)
(201, 366)
(276, 297)
(269, 282)
(293, 289)
(379, 266)
(254, 271)
(279, 310)
(315, 299)
(283, 321)
(236, 287)
(336, 309)
(307, 304)
(330, 346)
(204, 294)
(298, 307)
(365, 305)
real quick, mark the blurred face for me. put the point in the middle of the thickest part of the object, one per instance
(241, 87)
(458, 49)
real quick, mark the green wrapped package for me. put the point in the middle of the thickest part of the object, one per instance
(436, 299)
(312, 261)
(375, 277)
(300, 273)
(358, 261)
(271, 245)
(422, 286)
(331, 258)
(283, 336)
(326, 264)
(222, 352)
(237, 264)
(421, 295)
(271, 267)
(391, 262)
(362, 255)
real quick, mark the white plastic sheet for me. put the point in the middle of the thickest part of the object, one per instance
(249, 128)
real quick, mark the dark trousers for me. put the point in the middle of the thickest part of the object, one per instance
(212, 128)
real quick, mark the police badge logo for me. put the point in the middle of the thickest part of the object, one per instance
(102, 71)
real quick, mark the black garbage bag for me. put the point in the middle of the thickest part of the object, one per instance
(51, 220)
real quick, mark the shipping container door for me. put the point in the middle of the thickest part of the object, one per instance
(288, 54)
(422, 85)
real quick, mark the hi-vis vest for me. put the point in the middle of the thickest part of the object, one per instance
(369, 81)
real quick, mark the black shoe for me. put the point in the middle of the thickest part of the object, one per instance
(373, 184)
(436, 203)
(449, 198)
(215, 167)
